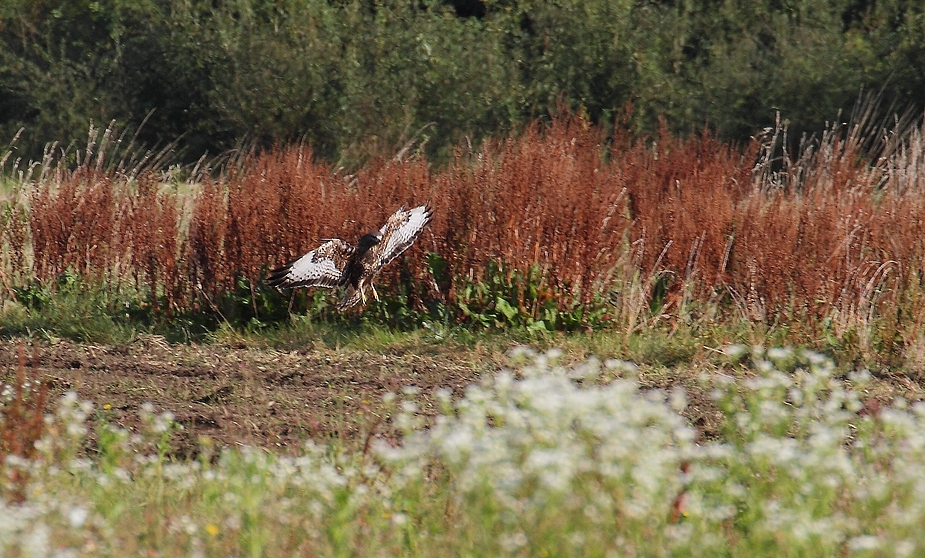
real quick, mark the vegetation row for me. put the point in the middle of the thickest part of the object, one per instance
(357, 78)
(542, 460)
(561, 227)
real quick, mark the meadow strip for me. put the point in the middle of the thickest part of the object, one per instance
(558, 218)
(540, 459)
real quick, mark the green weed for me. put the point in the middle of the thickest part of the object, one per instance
(72, 309)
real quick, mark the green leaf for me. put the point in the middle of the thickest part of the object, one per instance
(439, 268)
(505, 308)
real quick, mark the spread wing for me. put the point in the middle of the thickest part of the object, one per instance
(398, 233)
(322, 267)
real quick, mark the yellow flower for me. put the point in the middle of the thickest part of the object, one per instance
(107, 406)
(212, 529)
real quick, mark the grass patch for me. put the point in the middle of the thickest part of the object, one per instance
(92, 312)
(73, 310)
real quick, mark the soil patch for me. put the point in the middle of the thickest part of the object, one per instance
(279, 399)
(258, 397)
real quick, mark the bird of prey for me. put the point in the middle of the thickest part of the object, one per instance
(337, 263)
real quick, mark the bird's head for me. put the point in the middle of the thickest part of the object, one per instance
(369, 240)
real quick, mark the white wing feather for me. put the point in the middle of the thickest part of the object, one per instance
(322, 267)
(400, 232)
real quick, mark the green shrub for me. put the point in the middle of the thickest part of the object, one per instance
(360, 78)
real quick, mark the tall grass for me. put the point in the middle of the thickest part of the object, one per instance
(559, 220)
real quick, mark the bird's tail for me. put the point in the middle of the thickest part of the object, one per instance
(351, 298)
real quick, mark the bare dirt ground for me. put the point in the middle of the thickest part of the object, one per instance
(239, 396)
(279, 399)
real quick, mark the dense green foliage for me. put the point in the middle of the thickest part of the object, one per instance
(355, 77)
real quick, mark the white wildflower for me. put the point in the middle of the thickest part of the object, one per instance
(864, 542)
(554, 354)
(735, 352)
(513, 542)
(814, 358)
(443, 395)
(77, 516)
(780, 353)
(623, 367)
(36, 541)
(905, 548)
(521, 354)
(678, 399)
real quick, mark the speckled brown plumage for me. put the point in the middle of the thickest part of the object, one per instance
(337, 263)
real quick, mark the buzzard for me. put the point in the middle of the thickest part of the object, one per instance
(337, 263)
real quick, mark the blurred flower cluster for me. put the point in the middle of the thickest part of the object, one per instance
(542, 458)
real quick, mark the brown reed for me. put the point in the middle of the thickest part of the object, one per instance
(21, 425)
(73, 223)
(149, 224)
(822, 233)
